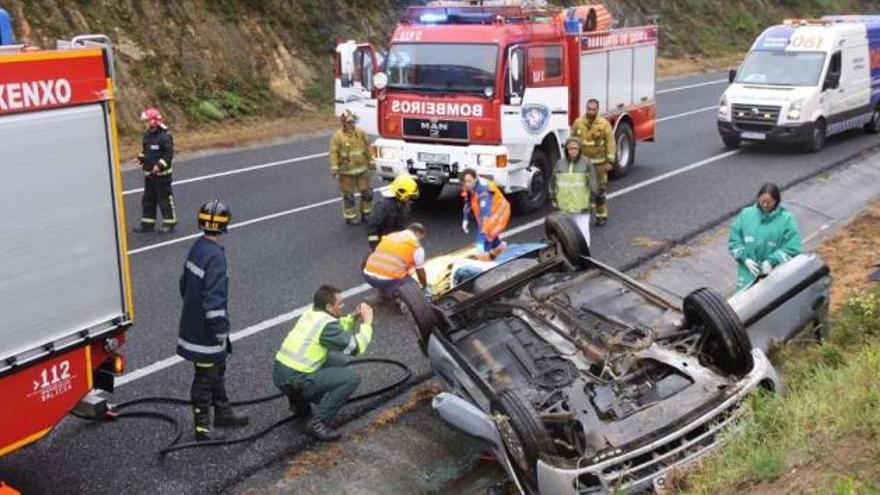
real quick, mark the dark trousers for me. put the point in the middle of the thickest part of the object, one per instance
(209, 385)
(329, 387)
(157, 192)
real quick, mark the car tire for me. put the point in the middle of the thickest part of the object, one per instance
(428, 194)
(523, 435)
(817, 137)
(423, 312)
(535, 197)
(625, 139)
(873, 127)
(731, 143)
(561, 229)
(723, 340)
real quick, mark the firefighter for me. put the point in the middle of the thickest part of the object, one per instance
(391, 213)
(204, 323)
(155, 159)
(395, 257)
(305, 370)
(597, 136)
(574, 182)
(484, 203)
(352, 164)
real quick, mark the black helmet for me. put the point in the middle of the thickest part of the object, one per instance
(214, 217)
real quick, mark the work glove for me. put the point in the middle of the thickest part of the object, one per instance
(464, 226)
(766, 267)
(753, 267)
(427, 292)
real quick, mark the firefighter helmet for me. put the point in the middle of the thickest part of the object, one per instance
(405, 188)
(348, 116)
(214, 217)
(152, 116)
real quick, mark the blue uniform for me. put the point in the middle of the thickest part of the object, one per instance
(204, 286)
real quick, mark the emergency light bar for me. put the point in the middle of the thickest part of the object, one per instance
(5, 28)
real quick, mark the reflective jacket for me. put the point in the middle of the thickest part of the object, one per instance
(597, 137)
(761, 236)
(204, 286)
(389, 215)
(573, 183)
(394, 257)
(486, 206)
(306, 347)
(350, 152)
(157, 149)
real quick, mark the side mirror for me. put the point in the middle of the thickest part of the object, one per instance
(380, 80)
(731, 76)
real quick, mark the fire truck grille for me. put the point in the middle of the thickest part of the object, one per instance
(447, 130)
(755, 117)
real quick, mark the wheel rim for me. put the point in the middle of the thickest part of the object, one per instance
(623, 151)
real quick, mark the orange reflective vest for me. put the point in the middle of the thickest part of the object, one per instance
(487, 194)
(394, 257)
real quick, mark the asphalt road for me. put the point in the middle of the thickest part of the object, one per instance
(290, 238)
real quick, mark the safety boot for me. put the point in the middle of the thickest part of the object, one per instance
(318, 429)
(352, 221)
(298, 405)
(601, 221)
(168, 229)
(225, 416)
(203, 430)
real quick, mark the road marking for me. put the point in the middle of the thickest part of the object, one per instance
(236, 171)
(314, 205)
(692, 86)
(360, 289)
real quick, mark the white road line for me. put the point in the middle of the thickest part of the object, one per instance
(287, 317)
(685, 114)
(235, 171)
(692, 86)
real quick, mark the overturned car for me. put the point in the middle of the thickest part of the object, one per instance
(584, 380)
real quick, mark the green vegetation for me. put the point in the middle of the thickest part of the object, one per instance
(822, 435)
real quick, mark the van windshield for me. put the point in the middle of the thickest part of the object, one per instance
(782, 68)
(442, 67)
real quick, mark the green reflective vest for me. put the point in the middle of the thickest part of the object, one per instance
(572, 182)
(302, 349)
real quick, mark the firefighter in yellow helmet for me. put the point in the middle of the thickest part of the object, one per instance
(352, 164)
(597, 136)
(392, 212)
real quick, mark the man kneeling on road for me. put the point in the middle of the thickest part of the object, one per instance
(306, 371)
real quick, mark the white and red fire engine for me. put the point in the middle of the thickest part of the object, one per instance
(65, 288)
(496, 87)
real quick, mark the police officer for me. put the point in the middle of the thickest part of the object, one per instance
(391, 213)
(204, 323)
(306, 371)
(597, 136)
(155, 159)
(352, 164)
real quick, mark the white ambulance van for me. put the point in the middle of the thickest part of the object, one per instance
(805, 80)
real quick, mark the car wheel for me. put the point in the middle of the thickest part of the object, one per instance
(731, 142)
(873, 127)
(626, 150)
(422, 311)
(723, 339)
(535, 198)
(561, 229)
(817, 137)
(524, 436)
(428, 193)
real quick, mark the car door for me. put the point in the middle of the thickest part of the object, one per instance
(356, 64)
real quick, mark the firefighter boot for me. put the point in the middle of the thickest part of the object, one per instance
(317, 428)
(225, 416)
(202, 420)
(298, 405)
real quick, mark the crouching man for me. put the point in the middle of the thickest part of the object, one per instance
(306, 371)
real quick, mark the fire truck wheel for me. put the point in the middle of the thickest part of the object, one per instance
(536, 197)
(626, 149)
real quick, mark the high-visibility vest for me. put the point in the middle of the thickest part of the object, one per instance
(499, 209)
(394, 256)
(572, 190)
(302, 350)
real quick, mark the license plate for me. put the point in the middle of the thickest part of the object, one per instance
(434, 158)
(759, 136)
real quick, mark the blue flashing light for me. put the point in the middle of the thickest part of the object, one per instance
(433, 18)
(5, 28)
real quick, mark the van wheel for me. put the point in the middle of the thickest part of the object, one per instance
(626, 150)
(524, 436)
(731, 142)
(423, 312)
(873, 127)
(562, 229)
(535, 197)
(817, 137)
(723, 340)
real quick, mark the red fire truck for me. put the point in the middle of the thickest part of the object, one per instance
(496, 87)
(65, 288)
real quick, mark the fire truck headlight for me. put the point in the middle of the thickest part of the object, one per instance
(387, 153)
(794, 111)
(486, 161)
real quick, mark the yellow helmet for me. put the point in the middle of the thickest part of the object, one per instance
(405, 188)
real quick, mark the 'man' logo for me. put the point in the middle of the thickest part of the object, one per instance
(24, 95)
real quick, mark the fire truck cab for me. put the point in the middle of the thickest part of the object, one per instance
(496, 88)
